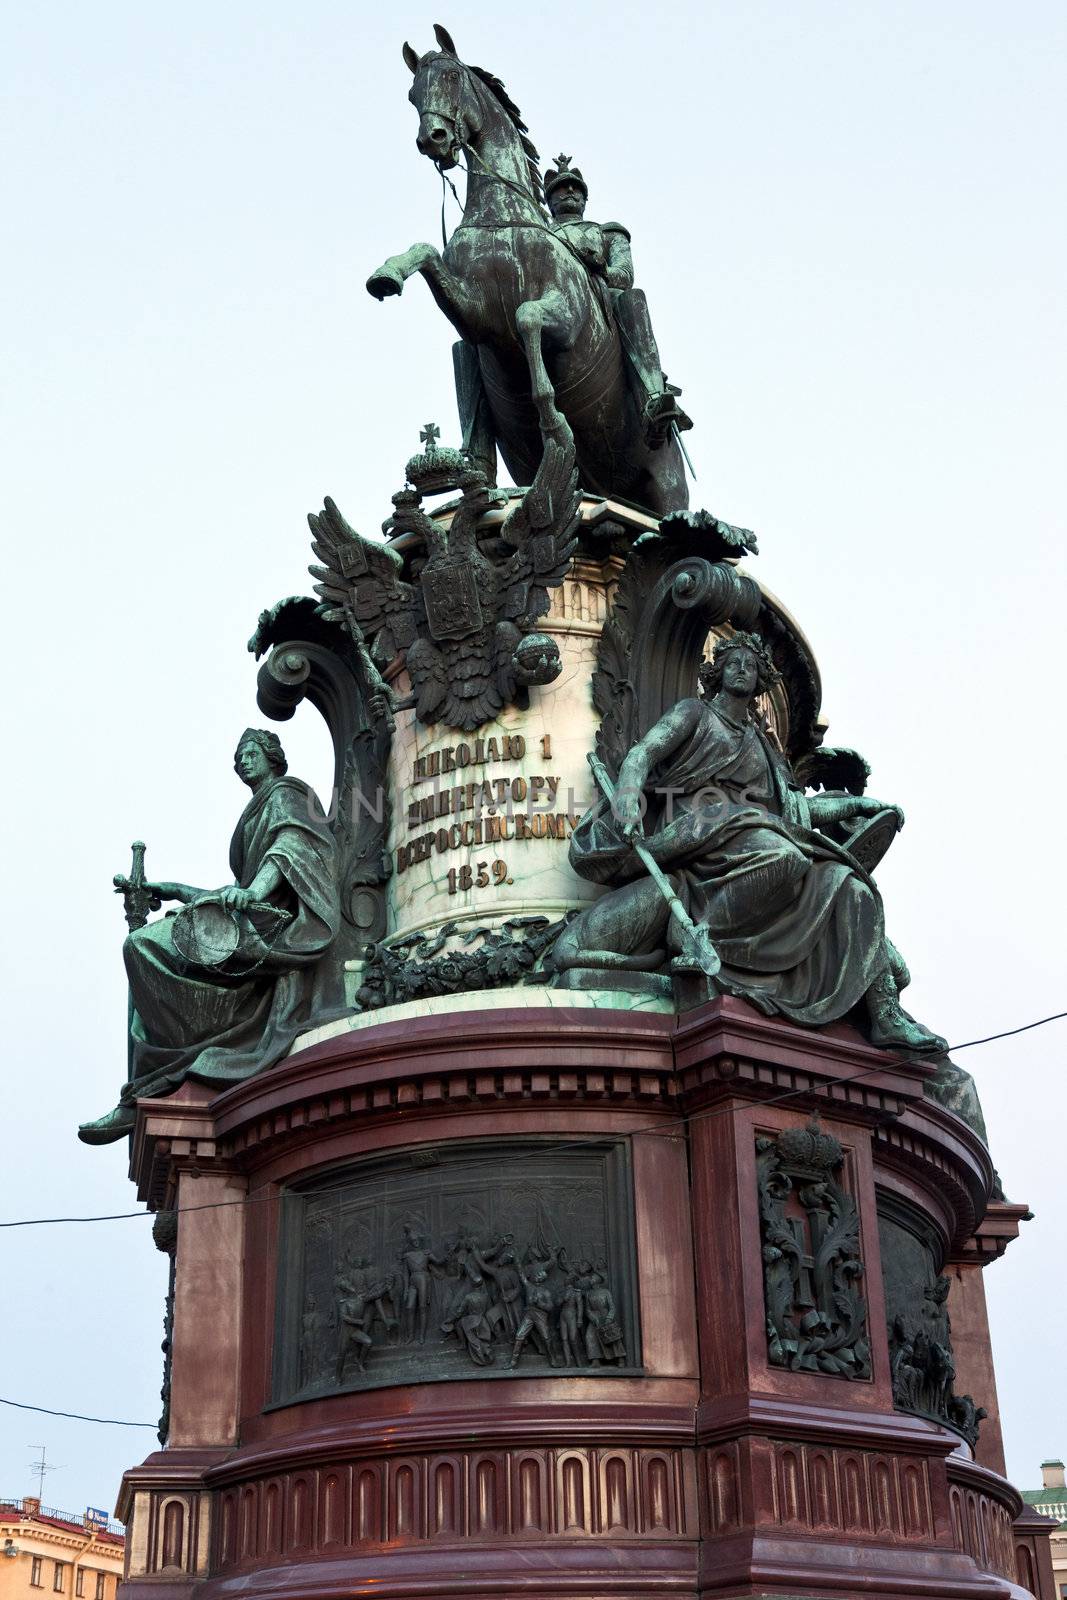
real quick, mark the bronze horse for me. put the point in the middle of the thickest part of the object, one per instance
(534, 331)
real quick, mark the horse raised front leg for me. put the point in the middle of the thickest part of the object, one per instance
(392, 275)
(460, 301)
(535, 318)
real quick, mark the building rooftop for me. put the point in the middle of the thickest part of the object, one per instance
(1050, 1502)
(1051, 1498)
(30, 1510)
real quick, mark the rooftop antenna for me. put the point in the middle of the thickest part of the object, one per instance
(41, 1467)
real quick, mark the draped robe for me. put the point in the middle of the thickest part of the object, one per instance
(796, 922)
(189, 1020)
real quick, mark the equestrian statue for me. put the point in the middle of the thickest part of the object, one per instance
(544, 305)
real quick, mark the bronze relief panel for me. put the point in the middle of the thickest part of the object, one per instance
(481, 1259)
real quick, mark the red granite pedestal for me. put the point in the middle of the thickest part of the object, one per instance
(709, 1472)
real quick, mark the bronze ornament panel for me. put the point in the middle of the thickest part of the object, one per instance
(486, 1259)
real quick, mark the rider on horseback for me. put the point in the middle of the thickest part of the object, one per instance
(604, 248)
(543, 330)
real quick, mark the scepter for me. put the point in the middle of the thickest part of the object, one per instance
(697, 945)
(371, 673)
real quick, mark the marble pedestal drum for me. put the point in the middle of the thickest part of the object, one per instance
(692, 1466)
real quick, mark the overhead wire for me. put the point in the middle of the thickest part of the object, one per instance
(541, 1148)
(77, 1416)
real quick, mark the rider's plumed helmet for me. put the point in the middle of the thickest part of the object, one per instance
(563, 172)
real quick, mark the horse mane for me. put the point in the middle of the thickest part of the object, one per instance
(533, 160)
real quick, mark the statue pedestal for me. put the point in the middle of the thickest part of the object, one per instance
(680, 1448)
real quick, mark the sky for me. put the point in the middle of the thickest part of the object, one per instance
(849, 220)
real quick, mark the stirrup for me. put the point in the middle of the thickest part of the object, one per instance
(661, 413)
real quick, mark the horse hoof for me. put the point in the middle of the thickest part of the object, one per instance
(384, 282)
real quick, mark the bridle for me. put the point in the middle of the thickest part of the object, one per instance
(452, 115)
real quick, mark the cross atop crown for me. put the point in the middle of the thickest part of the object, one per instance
(439, 468)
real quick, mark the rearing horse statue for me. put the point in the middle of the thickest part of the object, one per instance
(535, 336)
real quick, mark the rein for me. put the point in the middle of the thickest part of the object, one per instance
(540, 227)
(459, 202)
(453, 113)
(498, 177)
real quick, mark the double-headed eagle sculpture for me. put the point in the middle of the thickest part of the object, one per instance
(458, 603)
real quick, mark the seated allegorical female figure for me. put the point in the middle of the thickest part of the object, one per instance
(220, 990)
(795, 919)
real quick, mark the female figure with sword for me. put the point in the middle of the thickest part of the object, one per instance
(717, 861)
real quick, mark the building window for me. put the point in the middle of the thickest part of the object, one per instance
(79, 1581)
(100, 1586)
(60, 1579)
(35, 1573)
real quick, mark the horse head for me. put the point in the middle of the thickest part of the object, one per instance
(445, 94)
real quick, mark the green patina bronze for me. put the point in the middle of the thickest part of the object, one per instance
(544, 304)
(220, 990)
(604, 249)
(463, 621)
(729, 863)
(794, 915)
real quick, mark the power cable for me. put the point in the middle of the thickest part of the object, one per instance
(544, 1147)
(541, 1149)
(114, 1422)
(1009, 1033)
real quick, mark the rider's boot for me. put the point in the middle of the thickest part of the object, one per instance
(662, 413)
(661, 410)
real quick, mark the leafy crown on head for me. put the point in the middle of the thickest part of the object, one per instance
(767, 674)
